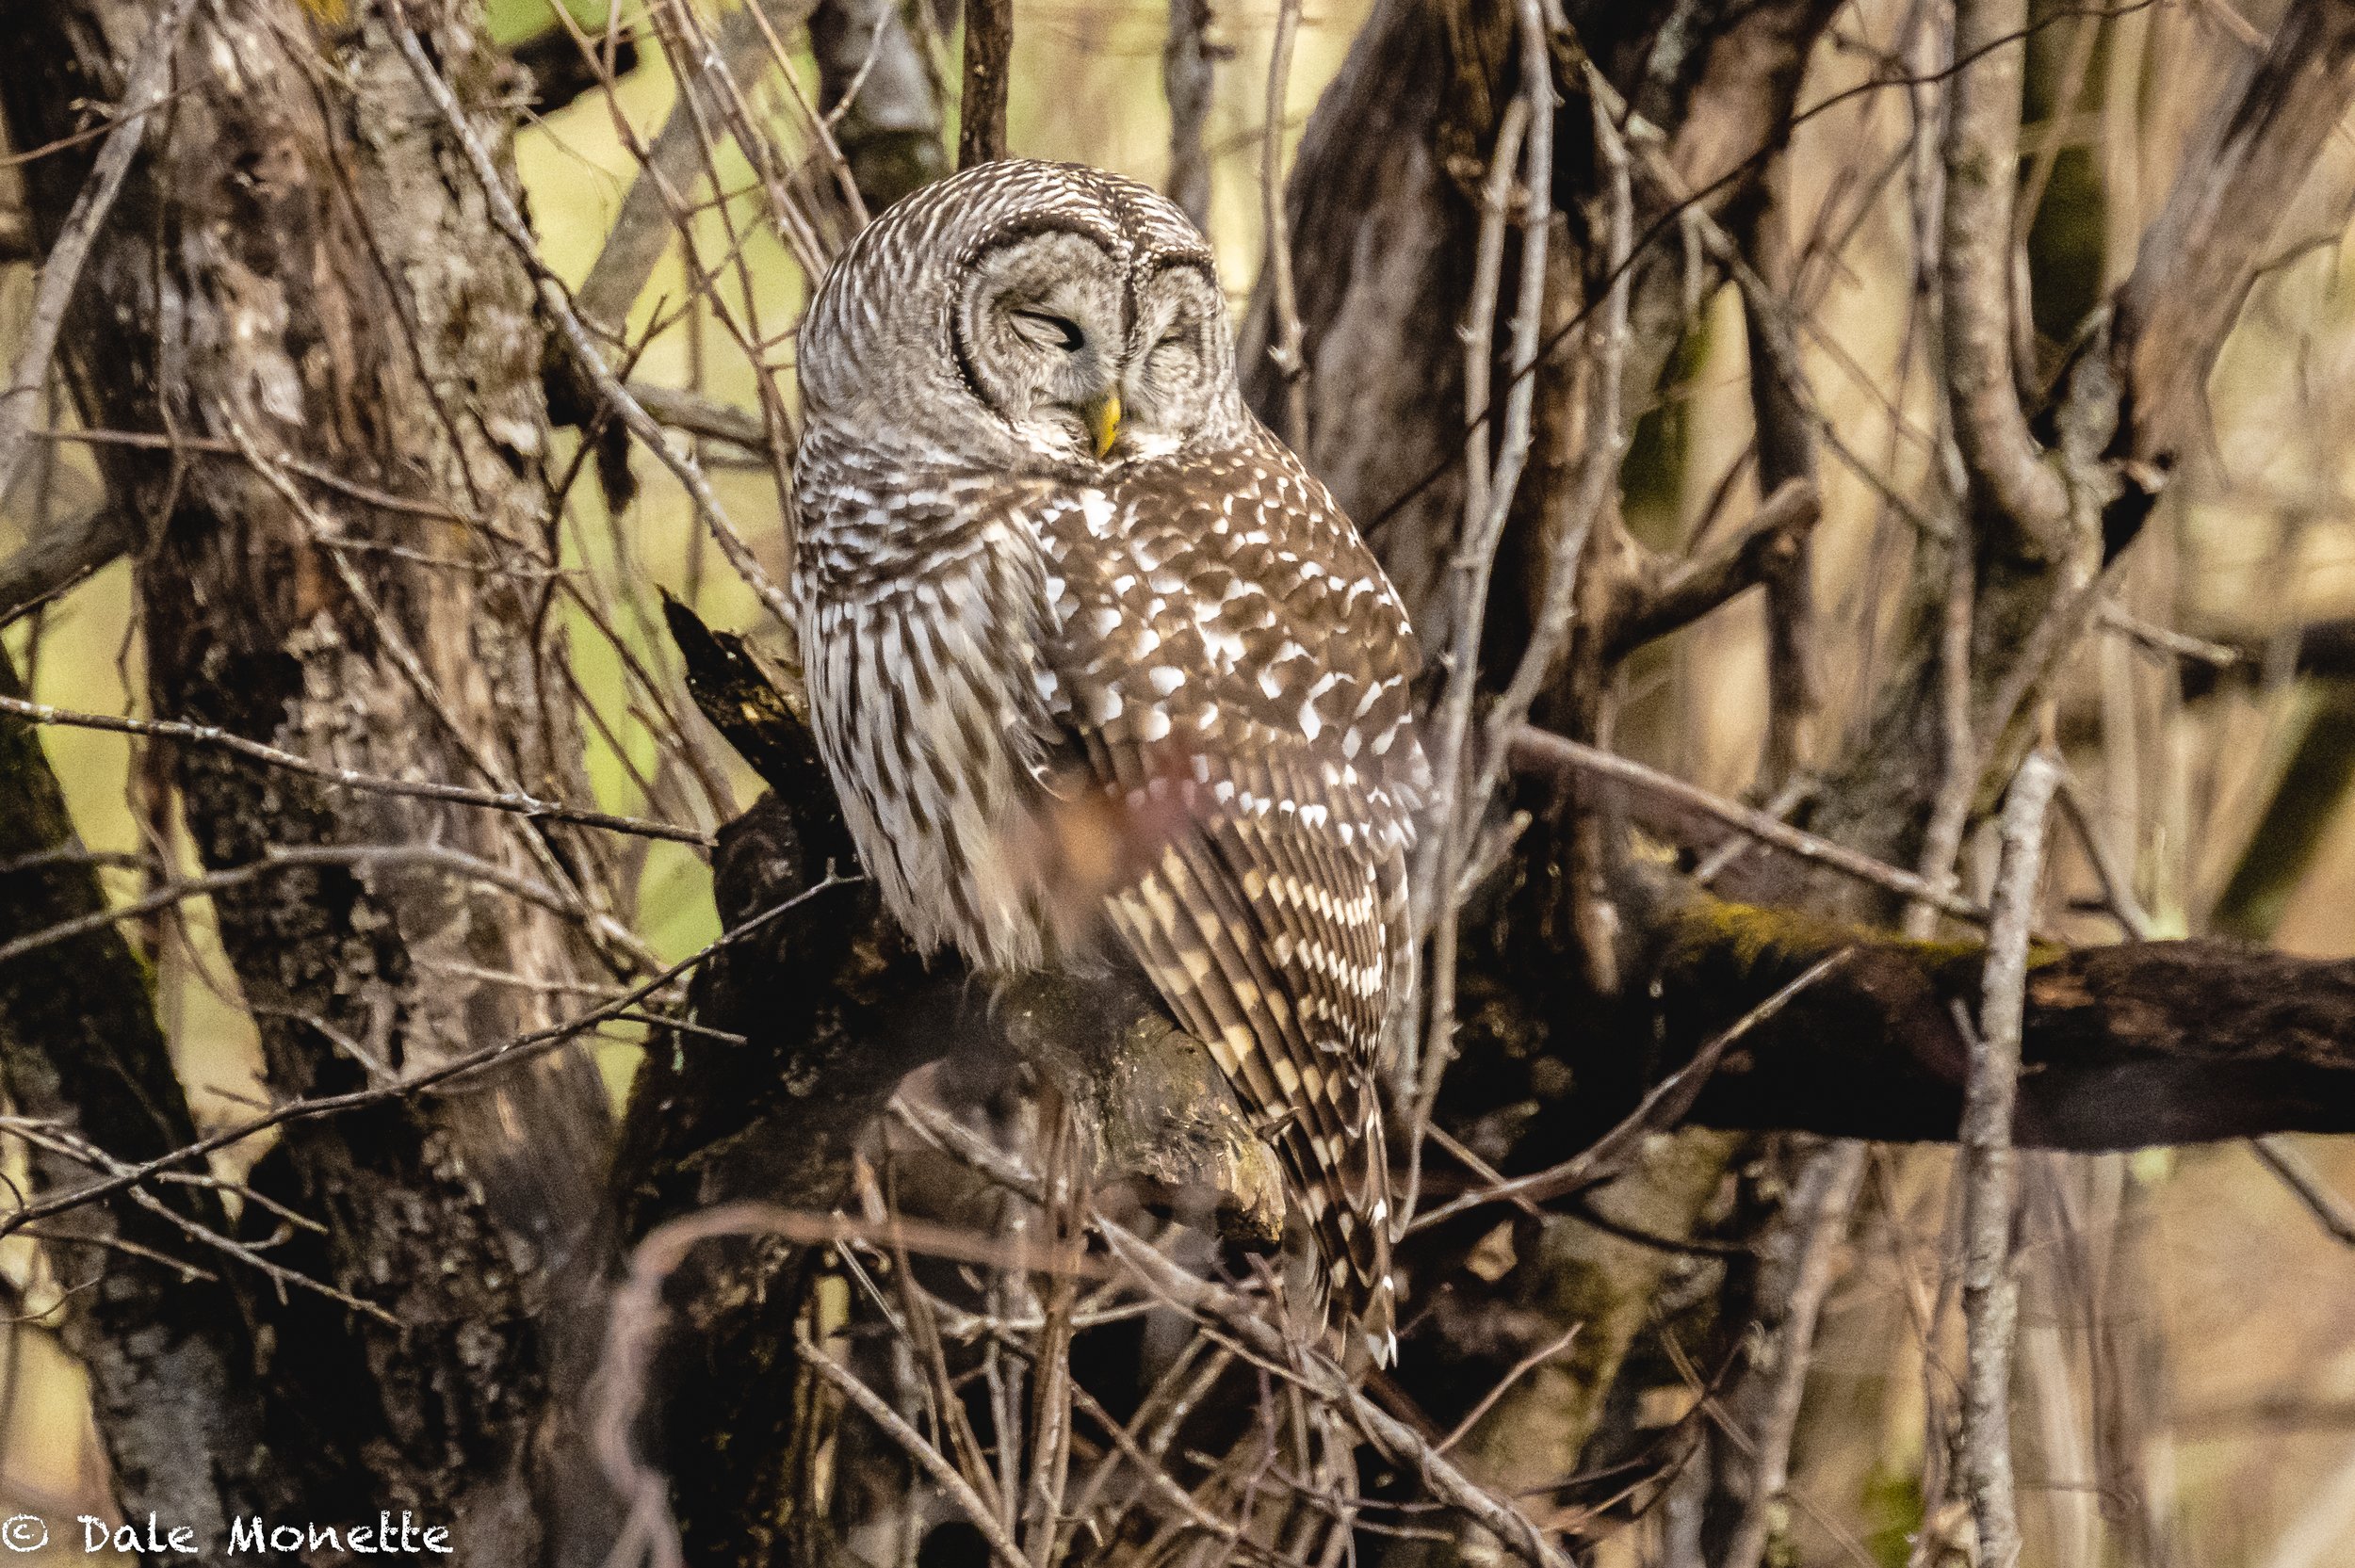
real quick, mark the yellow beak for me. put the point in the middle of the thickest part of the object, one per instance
(1103, 419)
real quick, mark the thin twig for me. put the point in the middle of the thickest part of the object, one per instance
(276, 859)
(1522, 1369)
(1815, 1221)
(1598, 464)
(1990, 1303)
(894, 1425)
(1542, 750)
(2332, 1212)
(577, 334)
(1661, 1108)
(535, 1042)
(1487, 505)
(151, 75)
(350, 777)
(1503, 1518)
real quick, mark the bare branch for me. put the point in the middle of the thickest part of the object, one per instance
(150, 78)
(1283, 349)
(1464, 783)
(1811, 1225)
(1539, 751)
(643, 229)
(1771, 541)
(1991, 1299)
(61, 554)
(578, 337)
(348, 778)
(704, 416)
(877, 91)
(2334, 1213)
(1982, 163)
(453, 1070)
(1504, 1519)
(1188, 77)
(2199, 257)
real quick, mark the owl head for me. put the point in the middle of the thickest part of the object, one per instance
(1026, 316)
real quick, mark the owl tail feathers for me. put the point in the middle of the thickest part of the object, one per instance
(1350, 1224)
(1350, 1289)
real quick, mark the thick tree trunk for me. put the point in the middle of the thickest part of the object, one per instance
(297, 308)
(173, 1360)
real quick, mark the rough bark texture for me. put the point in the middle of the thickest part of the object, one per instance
(817, 999)
(2141, 1044)
(299, 270)
(174, 1367)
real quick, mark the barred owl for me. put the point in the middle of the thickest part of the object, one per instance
(1052, 573)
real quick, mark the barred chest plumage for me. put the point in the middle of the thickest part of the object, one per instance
(920, 613)
(984, 653)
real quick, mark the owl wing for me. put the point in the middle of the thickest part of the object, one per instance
(1233, 665)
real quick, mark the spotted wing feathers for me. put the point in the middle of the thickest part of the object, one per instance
(1225, 643)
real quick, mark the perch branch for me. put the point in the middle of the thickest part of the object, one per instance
(1149, 1104)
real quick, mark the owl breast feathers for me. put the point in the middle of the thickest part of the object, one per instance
(1090, 654)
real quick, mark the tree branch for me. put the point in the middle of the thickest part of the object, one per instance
(989, 60)
(1990, 1296)
(2199, 257)
(61, 554)
(1675, 595)
(1982, 157)
(876, 88)
(2122, 1048)
(61, 268)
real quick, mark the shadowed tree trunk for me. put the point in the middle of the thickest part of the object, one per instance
(297, 283)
